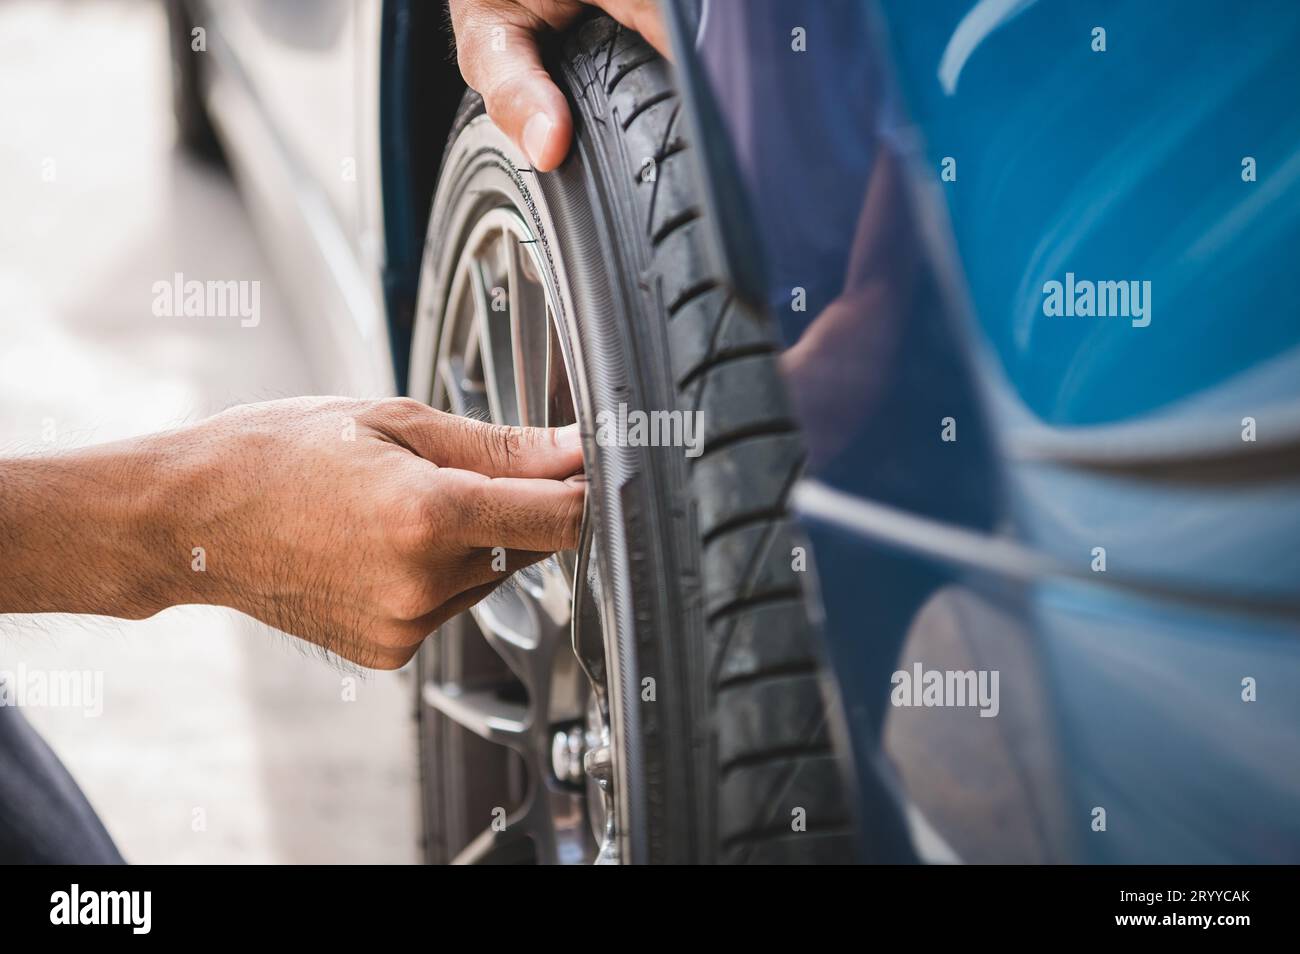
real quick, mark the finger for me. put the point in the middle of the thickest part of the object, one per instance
(643, 16)
(496, 450)
(511, 512)
(499, 58)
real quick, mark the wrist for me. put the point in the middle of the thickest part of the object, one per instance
(167, 516)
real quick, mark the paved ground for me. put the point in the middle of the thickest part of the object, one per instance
(219, 741)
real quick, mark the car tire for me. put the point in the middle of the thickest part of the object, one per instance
(727, 751)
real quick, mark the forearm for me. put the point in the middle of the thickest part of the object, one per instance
(90, 531)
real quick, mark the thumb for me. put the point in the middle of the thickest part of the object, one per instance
(500, 61)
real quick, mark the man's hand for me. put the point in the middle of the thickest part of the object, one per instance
(358, 525)
(497, 51)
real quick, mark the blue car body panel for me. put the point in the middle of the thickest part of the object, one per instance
(1103, 508)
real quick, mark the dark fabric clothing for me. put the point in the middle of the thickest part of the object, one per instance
(44, 817)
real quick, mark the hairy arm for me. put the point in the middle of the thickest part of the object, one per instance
(85, 532)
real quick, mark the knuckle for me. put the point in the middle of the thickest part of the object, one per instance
(503, 445)
(476, 29)
(388, 415)
(402, 408)
(538, 438)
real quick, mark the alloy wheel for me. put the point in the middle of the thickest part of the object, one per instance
(523, 742)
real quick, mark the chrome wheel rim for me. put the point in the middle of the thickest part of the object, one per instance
(520, 680)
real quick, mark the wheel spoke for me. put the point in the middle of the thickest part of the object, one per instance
(493, 846)
(505, 623)
(482, 711)
(492, 314)
(526, 622)
(529, 332)
(548, 586)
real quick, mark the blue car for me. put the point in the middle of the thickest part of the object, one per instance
(940, 392)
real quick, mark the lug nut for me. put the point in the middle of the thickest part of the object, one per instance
(567, 754)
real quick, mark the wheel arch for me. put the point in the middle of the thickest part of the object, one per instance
(420, 89)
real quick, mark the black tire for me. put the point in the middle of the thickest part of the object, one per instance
(194, 131)
(736, 747)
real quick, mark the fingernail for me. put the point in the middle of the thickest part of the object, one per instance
(536, 131)
(577, 480)
(568, 437)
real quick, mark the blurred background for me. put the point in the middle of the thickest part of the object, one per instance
(220, 741)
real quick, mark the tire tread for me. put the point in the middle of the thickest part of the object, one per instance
(769, 737)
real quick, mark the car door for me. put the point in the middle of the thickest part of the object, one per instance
(294, 91)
